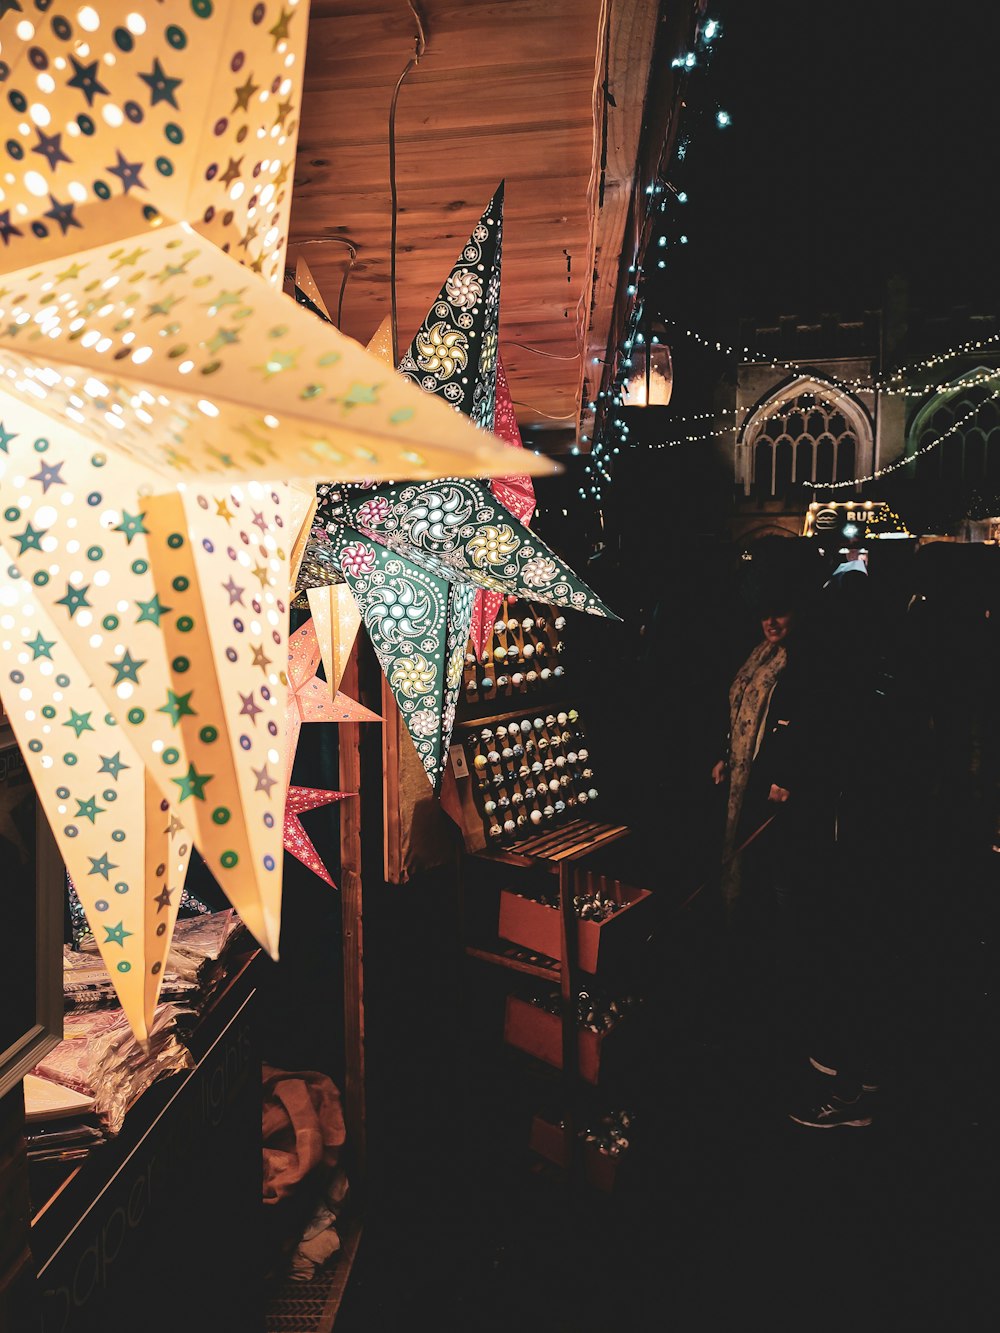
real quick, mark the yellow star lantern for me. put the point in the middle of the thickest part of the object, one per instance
(149, 162)
(336, 620)
(161, 404)
(175, 609)
(125, 841)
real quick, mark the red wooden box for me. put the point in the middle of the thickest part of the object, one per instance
(532, 1029)
(599, 943)
(549, 1141)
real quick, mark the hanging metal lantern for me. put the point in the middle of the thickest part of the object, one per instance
(651, 378)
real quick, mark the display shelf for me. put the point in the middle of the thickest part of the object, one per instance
(602, 942)
(528, 792)
(540, 1033)
(573, 840)
(548, 1140)
(524, 660)
(548, 971)
(523, 776)
(186, 1163)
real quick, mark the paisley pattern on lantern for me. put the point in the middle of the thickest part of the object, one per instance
(454, 353)
(442, 350)
(449, 538)
(401, 610)
(409, 614)
(457, 530)
(430, 523)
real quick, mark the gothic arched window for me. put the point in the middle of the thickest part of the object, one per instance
(802, 439)
(966, 421)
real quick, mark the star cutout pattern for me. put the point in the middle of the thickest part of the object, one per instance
(178, 706)
(74, 600)
(131, 525)
(243, 94)
(127, 173)
(193, 784)
(48, 475)
(116, 934)
(62, 214)
(101, 865)
(126, 668)
(80, 722)
(7, 228)
(41, 647)
(113, 765)
(50, 147)
(85, 78)
(234, 592)
(151, 610)
(29, 540)
(161, 88)
(89, 809)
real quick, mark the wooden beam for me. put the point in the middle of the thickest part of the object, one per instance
(618, 123)
(352, 922)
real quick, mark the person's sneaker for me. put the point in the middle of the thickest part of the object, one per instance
(822, 1069)
(837, 1111)
(835, 1073)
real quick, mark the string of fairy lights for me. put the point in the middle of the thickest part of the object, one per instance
(880, 384)
(830, 395)
(898, 463)
(611, 430)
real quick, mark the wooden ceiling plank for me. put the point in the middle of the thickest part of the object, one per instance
(505, 89)
(632, 39)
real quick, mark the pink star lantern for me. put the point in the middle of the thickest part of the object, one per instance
(516, 494)
(309, 698)
(296, 839)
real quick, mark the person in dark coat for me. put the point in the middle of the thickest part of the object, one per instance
(773, 700)
(789, 910)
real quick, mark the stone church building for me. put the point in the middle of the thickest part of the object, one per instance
(835, 400)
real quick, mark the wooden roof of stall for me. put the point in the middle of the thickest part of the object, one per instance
(506, 90)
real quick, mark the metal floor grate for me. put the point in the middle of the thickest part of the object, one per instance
(311, 1307)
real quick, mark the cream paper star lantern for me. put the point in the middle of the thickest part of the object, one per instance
(149, 161)
(176, 610)
(127, 843)
(159, 397)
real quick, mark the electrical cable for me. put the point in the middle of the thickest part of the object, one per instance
(330, 240)
(531, 408)
(554, 356)
(420, 45)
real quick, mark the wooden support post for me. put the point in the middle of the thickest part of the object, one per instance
(568, 991)
(392, 846)
(353, 926)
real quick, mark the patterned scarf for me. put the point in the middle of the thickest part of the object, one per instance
(749, 696)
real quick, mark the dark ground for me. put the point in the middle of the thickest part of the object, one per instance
(725, 1212)
(724, 1209)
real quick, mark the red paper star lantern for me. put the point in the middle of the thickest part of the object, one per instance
(516, 494)
(296, 839)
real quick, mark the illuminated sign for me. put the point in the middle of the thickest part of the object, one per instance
(835, 517)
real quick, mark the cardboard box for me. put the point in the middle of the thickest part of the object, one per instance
(549, 1141)
(539, 1033)
(600, 944)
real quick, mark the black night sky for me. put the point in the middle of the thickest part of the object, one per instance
(862, 147)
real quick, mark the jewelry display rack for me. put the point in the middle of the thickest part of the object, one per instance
(529, 795)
